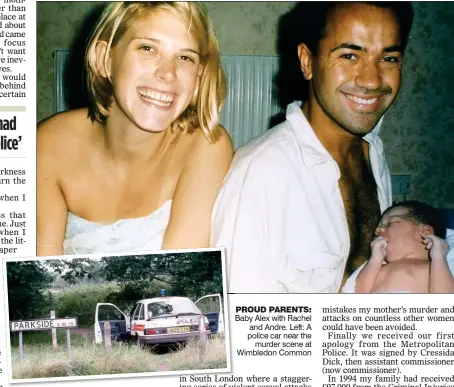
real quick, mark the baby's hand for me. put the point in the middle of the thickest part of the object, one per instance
(378, 248)
(437, 246)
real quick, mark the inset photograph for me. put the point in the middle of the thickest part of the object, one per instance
(147, 314)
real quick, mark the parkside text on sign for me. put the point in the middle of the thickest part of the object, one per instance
(31, 325)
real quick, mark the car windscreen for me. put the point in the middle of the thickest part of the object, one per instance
(172, 307)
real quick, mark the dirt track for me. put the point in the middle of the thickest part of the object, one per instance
(87, 332)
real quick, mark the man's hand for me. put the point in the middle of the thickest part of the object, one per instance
(438, 248)
(378, 249)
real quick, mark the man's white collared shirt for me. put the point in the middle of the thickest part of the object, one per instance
(280, 213)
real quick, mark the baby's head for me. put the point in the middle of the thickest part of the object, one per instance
(404, 225)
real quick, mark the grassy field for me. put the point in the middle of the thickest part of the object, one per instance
(87, 358)
(44, 338)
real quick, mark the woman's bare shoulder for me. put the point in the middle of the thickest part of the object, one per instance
(221, 146)
(63, 127)
(202, 157)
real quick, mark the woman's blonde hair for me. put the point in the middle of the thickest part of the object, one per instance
(116, 19)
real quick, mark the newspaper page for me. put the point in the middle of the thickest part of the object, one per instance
(196, 317)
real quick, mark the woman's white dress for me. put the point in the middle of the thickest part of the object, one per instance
(126, 235)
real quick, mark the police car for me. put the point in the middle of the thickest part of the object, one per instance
(160, 321)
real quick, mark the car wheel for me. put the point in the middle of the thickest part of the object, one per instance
(142, 344)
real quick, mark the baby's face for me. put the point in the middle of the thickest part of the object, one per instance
(402, 232)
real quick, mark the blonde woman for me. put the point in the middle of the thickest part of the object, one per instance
(140, 168)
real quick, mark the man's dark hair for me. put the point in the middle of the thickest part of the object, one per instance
(424, 214)
(306, 23)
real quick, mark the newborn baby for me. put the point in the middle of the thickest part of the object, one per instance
(408, 254)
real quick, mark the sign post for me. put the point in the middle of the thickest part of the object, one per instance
(54, 332)
(21, 349)
(42, 324)
(68, 341)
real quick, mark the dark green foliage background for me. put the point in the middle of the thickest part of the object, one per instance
(119, 280)
(26, 282)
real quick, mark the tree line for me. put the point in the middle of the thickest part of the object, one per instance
(190, 274)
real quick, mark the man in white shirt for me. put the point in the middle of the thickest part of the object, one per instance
(300, 204)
